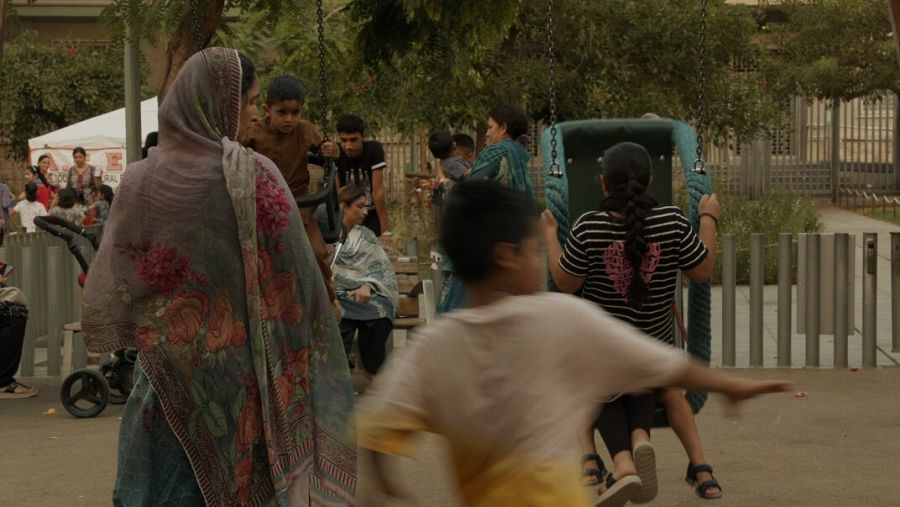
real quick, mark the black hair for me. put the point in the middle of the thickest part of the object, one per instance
(106, 192)
(477, 216)
(627, 168)
(42, 157)
(35, 170)
(285, 88)
(515, 119)
(464, 141)
(31, 189)
(151, 140)
(351, 123)
(350, 193)
(79, 149)
(440, 144)
(67, 198)
(248, 74)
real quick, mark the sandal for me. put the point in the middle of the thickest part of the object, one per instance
(702, 487)
(592, 476)
(17, 390)
(619, 491)
(645, 463)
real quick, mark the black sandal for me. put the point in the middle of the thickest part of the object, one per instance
(597, 473)
(702, 487)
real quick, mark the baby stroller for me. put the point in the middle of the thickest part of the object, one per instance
(86, 392)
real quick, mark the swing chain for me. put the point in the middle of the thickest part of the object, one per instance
(699, 165)
(555, 170)
(323, 87)
(195, 21)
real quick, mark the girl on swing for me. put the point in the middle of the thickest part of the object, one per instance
(626, 258)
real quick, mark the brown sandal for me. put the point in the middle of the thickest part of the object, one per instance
(17, 390)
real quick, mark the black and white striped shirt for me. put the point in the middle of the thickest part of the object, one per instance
(596, 251)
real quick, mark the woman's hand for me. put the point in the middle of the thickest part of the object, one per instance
(548, 222)
(709, 204)
(362, 294)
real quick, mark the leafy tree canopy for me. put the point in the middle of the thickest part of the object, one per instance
(43, 88)
(833, 48)
(615, 58)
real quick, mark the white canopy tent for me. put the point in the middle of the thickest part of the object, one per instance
(102, 137)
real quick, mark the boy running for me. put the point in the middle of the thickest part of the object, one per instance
(510, 380)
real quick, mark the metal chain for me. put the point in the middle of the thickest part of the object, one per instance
(195, 20)
(323, 86)
(551, 65)
(699, 164)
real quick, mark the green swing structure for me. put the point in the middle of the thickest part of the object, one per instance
(571, 189)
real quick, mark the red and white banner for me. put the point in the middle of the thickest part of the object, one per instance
(110, 160)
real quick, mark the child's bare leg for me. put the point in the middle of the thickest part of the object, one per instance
(681, 418)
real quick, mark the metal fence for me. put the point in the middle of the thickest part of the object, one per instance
(815, 296)
(824, 298)
(856, 140)
(47, 274)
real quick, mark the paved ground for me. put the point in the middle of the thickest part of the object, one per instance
(838, 446)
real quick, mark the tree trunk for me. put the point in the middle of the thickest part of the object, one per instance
(895, 23)
(183, 43)
(3, 8)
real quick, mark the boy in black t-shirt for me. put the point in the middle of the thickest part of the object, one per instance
(362, 164)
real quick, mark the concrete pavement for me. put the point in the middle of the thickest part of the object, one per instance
(838, 446)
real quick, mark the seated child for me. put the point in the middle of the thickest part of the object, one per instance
(67, 207)
(510, 380)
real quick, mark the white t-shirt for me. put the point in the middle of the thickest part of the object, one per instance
(28, 211)
(511, 385)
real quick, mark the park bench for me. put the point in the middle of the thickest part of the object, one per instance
(416, 304)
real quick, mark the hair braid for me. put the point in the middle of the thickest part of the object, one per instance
(636, 210)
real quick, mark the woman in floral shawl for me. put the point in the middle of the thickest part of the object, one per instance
(243, 394)
(366, 283)
(504, 160)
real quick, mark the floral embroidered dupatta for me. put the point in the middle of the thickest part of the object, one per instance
(206, 268)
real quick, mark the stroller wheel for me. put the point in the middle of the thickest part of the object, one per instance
(84, 393)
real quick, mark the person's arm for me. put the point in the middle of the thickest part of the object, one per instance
(697, 377)
(564, 280)
(710, 210)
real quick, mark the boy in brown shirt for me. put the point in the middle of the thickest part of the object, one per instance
(286, 140)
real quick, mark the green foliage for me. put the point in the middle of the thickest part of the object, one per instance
(813, 58)
(769, 215)
(43, 89)
(429, 64)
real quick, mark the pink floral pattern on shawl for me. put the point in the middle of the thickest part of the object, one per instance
(207, 271)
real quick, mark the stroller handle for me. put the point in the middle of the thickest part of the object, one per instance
(77, 229)
(60, 228)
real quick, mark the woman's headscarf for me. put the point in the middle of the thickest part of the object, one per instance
(205, 267)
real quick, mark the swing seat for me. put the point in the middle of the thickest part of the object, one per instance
(580, 148)
(585, 141)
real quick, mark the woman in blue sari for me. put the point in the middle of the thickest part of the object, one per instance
(504, 160)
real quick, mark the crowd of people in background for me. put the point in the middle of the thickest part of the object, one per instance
(83, 200)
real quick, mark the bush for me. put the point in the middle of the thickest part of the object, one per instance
(770, 215)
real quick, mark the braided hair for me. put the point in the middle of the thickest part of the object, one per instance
(627, 168)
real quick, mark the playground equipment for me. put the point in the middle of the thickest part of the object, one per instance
(575, 149)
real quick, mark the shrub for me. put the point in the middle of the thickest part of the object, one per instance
(770, 215)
